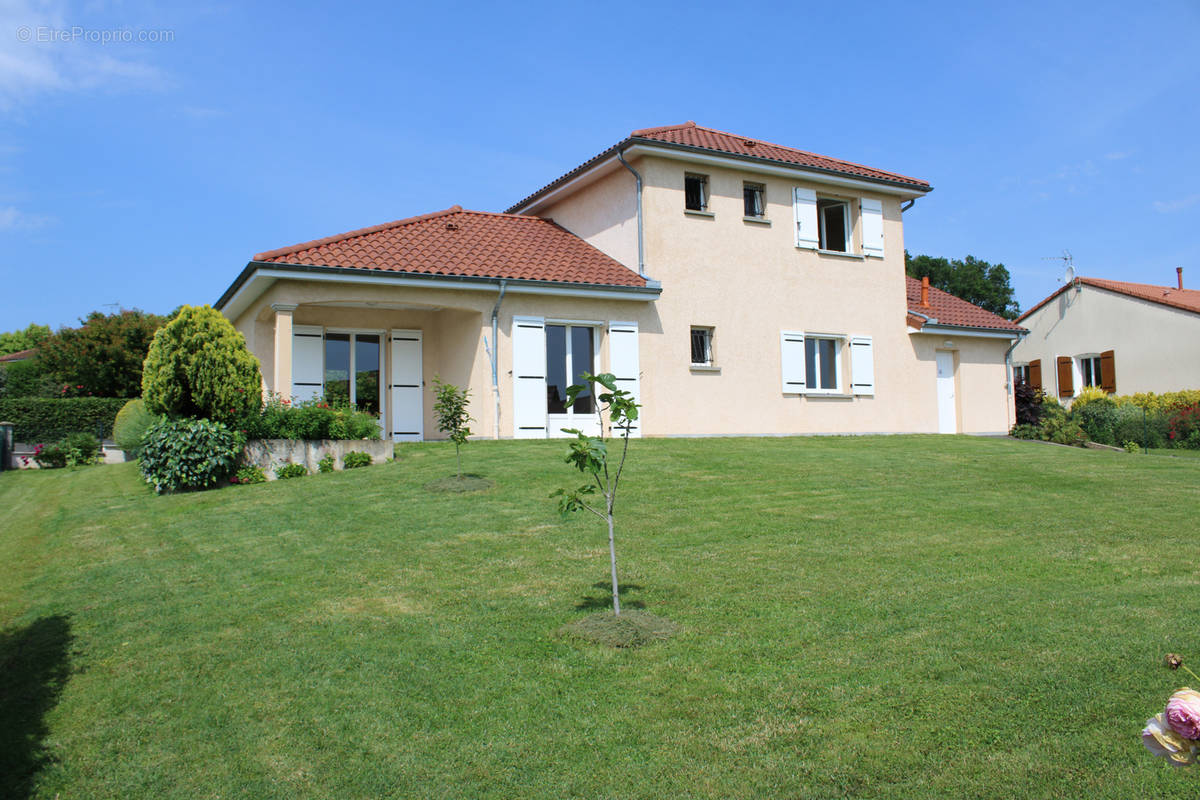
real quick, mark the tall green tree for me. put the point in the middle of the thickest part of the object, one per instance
(986, 285)
(27, 339)
(104, 354)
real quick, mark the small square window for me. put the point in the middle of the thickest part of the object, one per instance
(695, 192)
(753, 198)
(834, 218)
(702, 354)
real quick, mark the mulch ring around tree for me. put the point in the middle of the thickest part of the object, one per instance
(626, 630)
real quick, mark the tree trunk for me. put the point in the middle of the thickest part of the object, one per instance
(612, 553)
(458, 457)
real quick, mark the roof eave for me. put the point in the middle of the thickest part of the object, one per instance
(942, 328)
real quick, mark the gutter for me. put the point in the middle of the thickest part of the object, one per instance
(495, 354)
(640, 233)
(1008, 381)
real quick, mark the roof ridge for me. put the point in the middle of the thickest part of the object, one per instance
(661, 128)
(1169, 295)
(354, 234)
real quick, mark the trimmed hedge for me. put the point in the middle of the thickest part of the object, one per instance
(43, 419)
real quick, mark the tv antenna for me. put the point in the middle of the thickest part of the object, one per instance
(1068, 264)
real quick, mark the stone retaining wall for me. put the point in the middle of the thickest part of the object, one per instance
(268, 454)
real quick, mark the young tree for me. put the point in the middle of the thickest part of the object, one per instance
(590, 456)
(986, 285)
(104, 354)
(199, 366)
(29, 338)
(451, 410)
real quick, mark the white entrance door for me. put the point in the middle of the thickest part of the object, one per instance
(947, 410)
(404, 382)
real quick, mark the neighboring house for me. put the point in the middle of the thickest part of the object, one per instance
(1123, 337)
(735, 286)
(20, 355)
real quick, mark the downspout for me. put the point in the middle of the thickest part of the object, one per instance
(640, 234)
(908, 205)
(495, 357)
(1008, 371)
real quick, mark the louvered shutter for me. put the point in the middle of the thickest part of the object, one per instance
(404, 383)
(1108, 372)
(804, 207)
(791, 347)
(624, 364)
(1035, 374)
(1066, 379)
(308, 363)
(872, 227)
(862, 366)
(529, 378)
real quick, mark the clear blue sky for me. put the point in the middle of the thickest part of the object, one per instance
(147, 173)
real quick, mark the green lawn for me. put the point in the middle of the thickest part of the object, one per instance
(862, 617)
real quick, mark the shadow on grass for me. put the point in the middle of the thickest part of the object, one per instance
(604, 600)
(34, 668)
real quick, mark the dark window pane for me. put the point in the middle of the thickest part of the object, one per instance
(556, 369)
(693, 190)
(581, 360)
(700, 346)
(366, 373)
(828, 349)
(810, 363)
(833, 225)
(337, 368)
(752, 200)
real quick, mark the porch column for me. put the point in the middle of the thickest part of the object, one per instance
(283, 348)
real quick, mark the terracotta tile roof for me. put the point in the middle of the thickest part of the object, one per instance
(950, 310)
(465, 243)
(1185, 299)
(20, 355)
(689, 134)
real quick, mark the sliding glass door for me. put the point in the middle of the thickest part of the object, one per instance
(353, 364)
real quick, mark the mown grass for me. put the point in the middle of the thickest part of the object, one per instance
(868, 617)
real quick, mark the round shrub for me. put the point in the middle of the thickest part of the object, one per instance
(184, 454)
(133, 420)
(1098, 417)
(291, 471)
(199, 366)
(355, 459)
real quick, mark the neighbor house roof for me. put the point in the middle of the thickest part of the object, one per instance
(20, 355)
(1185, 299)
(464, 243)
(946, 309)
(689, 136)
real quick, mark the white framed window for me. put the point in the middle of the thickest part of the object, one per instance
(1090, 370)
(834, 219)
(823, 363)
(754, 200)
(702, 346)
(571, 352)
(695, 192)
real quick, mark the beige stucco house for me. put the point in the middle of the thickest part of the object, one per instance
(735, 286)
(1123, 337)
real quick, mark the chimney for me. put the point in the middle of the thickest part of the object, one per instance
(925, 292)
(1179, 276)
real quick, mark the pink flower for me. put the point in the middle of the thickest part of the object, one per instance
(1160, 740)
(1183, 713)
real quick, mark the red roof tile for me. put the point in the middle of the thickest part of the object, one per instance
(1186, 299)
(950, 310)
(20, 355)
(465, 243)
(689, 134)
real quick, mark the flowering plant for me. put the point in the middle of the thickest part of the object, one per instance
(1175, 733)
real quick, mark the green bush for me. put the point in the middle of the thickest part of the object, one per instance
(1097, 417)
(1184, 427)
(42, 419)
(325, 464)
(291, 471)
(355, 459)
(312, 419)
(198, 366)
(27, 379)
(1134, 424)
(1025, 430)
(249, 474)
(129, 429)
(50, 456)
(1132, 447)
(186, 454)
(73, 450)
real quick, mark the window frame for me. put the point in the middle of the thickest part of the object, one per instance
(384, 364)
(1020, 374)
(847, 225)
(581, 419)
(839, 340)
(708, 332)
(1089, 362)
(704, 194)
(761, 190)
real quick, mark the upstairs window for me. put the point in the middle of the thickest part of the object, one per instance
(834, 218)
(753, 200)
(695, 192)
(702, 347)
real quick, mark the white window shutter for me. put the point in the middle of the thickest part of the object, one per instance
(404, 384)
(862, 366)
(791, 346)
(624, 364)
(308, 363)
(872, 227)
(804, 204)
(529, 377)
